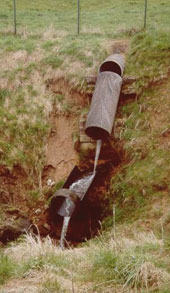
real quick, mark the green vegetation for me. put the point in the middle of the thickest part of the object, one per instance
(129, 263)
(149, 58)
(6, 268)
(11, 43)
(51, 286)
(53, 61)
(46, 49)
(138, 183)
(96, 16)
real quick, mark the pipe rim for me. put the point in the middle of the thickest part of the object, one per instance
(96, 132)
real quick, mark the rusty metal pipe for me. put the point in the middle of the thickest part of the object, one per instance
(64, 202)
(103, 107)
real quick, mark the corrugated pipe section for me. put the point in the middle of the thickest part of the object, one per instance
(104, 102)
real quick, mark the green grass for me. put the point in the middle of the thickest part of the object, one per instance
(51, 286)
(39, 262)
(124, 263)
(145, 177)
(6, 268)
(149, 58)
(133, 188)
(47, 257)
(129, 263)
(10, 43)
(53, 61)
(107, 17)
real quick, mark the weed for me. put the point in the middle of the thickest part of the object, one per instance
(105, 263)
(43, 254)
(34, 195)
(67, 108)
(50, 191)
(31, 66)
(4, 93)
(59, 98)
(6, 268)
(58, 185)
(31, 91)
(51, 286)
(49, 44)
(53, 61)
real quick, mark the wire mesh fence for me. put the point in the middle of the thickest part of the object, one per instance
(90, 16)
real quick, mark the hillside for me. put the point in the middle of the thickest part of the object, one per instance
(44, 95)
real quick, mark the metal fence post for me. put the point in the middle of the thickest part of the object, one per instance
(78, 17)
(15, 22)
(145, 13)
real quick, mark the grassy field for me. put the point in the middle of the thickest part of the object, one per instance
(96, 16)
(130, 257)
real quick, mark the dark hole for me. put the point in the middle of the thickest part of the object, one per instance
(111, 66)
(97, 133)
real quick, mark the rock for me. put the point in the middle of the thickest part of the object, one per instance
(91, 79)
(119, 122)
(127, 84)
(12, 230)
(13, 211)
(50, 182)
(165, 132)
(129, 79)
(38, 211)
(46, 226)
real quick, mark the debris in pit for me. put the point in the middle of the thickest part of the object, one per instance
(11, 230)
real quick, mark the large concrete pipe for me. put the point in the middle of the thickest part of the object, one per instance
(103, 107)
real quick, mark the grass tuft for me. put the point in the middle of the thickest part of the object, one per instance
(6, 268)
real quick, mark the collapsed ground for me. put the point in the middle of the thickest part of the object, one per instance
(55, 147)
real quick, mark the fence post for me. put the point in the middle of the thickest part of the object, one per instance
(145, 14)
(78, 17)
(15, 22)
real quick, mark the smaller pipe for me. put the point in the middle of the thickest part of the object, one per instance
(64, 202)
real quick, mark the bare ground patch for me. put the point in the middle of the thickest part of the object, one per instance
(60, 153)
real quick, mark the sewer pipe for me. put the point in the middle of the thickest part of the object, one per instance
(104, 102)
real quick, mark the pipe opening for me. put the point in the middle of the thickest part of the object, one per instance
(112, 67)
(85, 215)
(96, 133)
